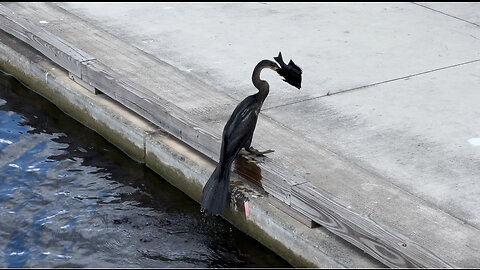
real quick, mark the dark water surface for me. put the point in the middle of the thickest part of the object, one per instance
(68, 198)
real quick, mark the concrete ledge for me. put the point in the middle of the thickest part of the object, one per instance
(181, 165)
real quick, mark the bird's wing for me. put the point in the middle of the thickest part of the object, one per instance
(239, 127)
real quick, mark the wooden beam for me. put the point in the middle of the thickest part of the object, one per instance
(392, 249)
(269, 176)
(293, 213)
(85, 85)
(151, 107)
(61, 52)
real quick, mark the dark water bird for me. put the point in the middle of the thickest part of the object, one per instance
(238, 132)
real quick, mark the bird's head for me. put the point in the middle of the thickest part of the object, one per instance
(291, 73)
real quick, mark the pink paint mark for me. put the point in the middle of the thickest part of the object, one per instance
(247, 211)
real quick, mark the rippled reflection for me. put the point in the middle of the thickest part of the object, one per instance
(70, 199)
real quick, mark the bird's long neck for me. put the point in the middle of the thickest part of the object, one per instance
(262, 85)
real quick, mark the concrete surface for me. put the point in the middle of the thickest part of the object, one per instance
(466, 12)
(405, 115)
(339, 46)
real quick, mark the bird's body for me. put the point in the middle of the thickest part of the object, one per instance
(215, 192)
(237, 134)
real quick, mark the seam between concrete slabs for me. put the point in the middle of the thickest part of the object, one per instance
(372, 84)
(446, 14)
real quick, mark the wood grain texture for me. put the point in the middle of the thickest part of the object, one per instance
(151, 107)
(267, 175)
(58, 50)
(292, 213)
(392, 249)
(87, 86)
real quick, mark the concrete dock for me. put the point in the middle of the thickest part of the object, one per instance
(381, 146)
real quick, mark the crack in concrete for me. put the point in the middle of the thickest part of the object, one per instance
(446, 14)
(369, 85)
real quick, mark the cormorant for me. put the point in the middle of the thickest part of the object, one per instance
(238, 132)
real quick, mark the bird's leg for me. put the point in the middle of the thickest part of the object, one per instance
(252, 151)
(248, 150)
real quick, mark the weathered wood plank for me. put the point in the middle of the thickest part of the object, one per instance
(268, 176)
(85, 85)
(274, 181)
(56, 49)
(151, 107)
(292, 213)
(392, 249)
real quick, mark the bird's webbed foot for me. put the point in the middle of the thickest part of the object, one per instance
(247, 151)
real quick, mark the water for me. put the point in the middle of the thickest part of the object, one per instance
(68, 198)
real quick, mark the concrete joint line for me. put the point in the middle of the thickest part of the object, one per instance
(372, 84)
(446, 14)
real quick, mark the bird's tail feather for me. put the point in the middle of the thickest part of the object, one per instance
(215, 191)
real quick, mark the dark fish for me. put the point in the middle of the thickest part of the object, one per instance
(291, 73)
